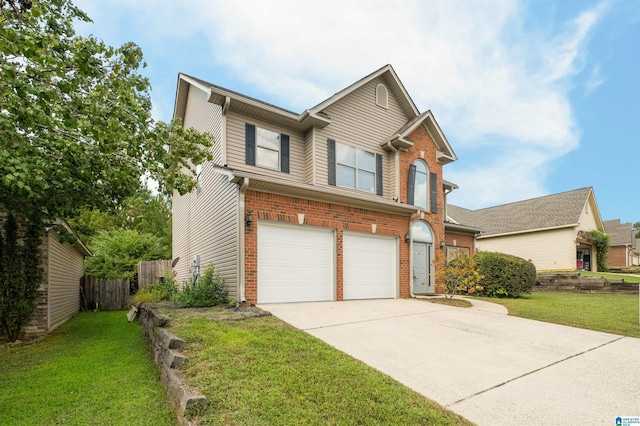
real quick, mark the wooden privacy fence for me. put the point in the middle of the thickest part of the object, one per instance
(104, 295)
(151, 271)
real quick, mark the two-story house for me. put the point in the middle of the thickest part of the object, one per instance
(343, 201)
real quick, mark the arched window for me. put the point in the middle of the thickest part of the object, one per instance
(421, 232)
(421, 186)
(382, 96)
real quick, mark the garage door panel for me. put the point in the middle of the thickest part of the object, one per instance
(369, 267)
(295, 264)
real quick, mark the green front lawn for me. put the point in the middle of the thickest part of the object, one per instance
(611, 313)
(93, 370)
(626, 277)
(262, 371)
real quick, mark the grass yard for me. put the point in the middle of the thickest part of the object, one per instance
(612, 313)
(628, 278)
(93, 370)
(261, 371)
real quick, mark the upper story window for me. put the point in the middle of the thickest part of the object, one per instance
(265, 148)
(382, 96)
(353, 167)
(421, 188)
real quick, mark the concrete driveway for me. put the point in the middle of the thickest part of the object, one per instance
(488, 367)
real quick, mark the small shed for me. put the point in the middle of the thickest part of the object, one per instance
(59, 295)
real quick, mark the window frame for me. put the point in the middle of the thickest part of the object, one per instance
(415, 185)
(356, 168)
(260, 147)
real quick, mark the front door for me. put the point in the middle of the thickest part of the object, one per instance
(422, 282)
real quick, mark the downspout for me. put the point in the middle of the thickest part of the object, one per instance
(241, 289)
(396, 165)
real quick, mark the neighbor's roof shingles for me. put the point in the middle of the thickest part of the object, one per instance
(621, 233)
(555, 210)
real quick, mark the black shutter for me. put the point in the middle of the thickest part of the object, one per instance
(411, 183)
(433, 189)
(284, 153)
(250, 144)
(331, 154)
(378, 174)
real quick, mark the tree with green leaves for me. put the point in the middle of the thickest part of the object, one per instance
(142, 212)
(116, 253)
(636, 228)
(76, 130)
(75, 118)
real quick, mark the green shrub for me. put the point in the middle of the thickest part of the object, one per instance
(504, 275)
(603, 242)
(158, 292)
(207, 291)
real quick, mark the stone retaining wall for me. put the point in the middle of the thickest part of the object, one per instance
(576, 283)
(165, 349)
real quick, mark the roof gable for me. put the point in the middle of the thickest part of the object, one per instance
(388, 74)
(551, 211)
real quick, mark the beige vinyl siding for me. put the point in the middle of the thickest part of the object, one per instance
(236, 148)
(205, 117)
(205, 224)
(180, 234)
(587, 219)
(548, 250)
(308, 157)
(65, 268)
(205, 220)
(356, 120)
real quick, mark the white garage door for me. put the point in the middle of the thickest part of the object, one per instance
(369, 267)
(295, 264)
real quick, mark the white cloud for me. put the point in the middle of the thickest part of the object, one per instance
(595, 80)
(494, 80)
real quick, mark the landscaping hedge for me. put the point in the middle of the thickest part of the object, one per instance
(505, 275)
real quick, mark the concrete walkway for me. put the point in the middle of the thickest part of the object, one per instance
(490, 368)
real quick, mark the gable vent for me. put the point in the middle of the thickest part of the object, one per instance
(382, 96)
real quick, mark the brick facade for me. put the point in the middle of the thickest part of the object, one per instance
(285, 209)
(455, 239)
(424, 148)
(617, 256)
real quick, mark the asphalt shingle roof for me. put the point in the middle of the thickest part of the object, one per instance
(621, 233)
(537, 213)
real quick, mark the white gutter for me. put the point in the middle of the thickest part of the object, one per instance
(240, 224)
(573, 225)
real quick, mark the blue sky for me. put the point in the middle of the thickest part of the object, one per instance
(535, 97)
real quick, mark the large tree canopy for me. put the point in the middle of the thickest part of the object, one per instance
(75, 117)
(143, 212)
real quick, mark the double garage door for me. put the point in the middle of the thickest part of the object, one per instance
(298, 264)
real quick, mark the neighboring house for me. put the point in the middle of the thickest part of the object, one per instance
(460, 239)
(624, 250)
(551, 231)
(343, 201)
(59, 295)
